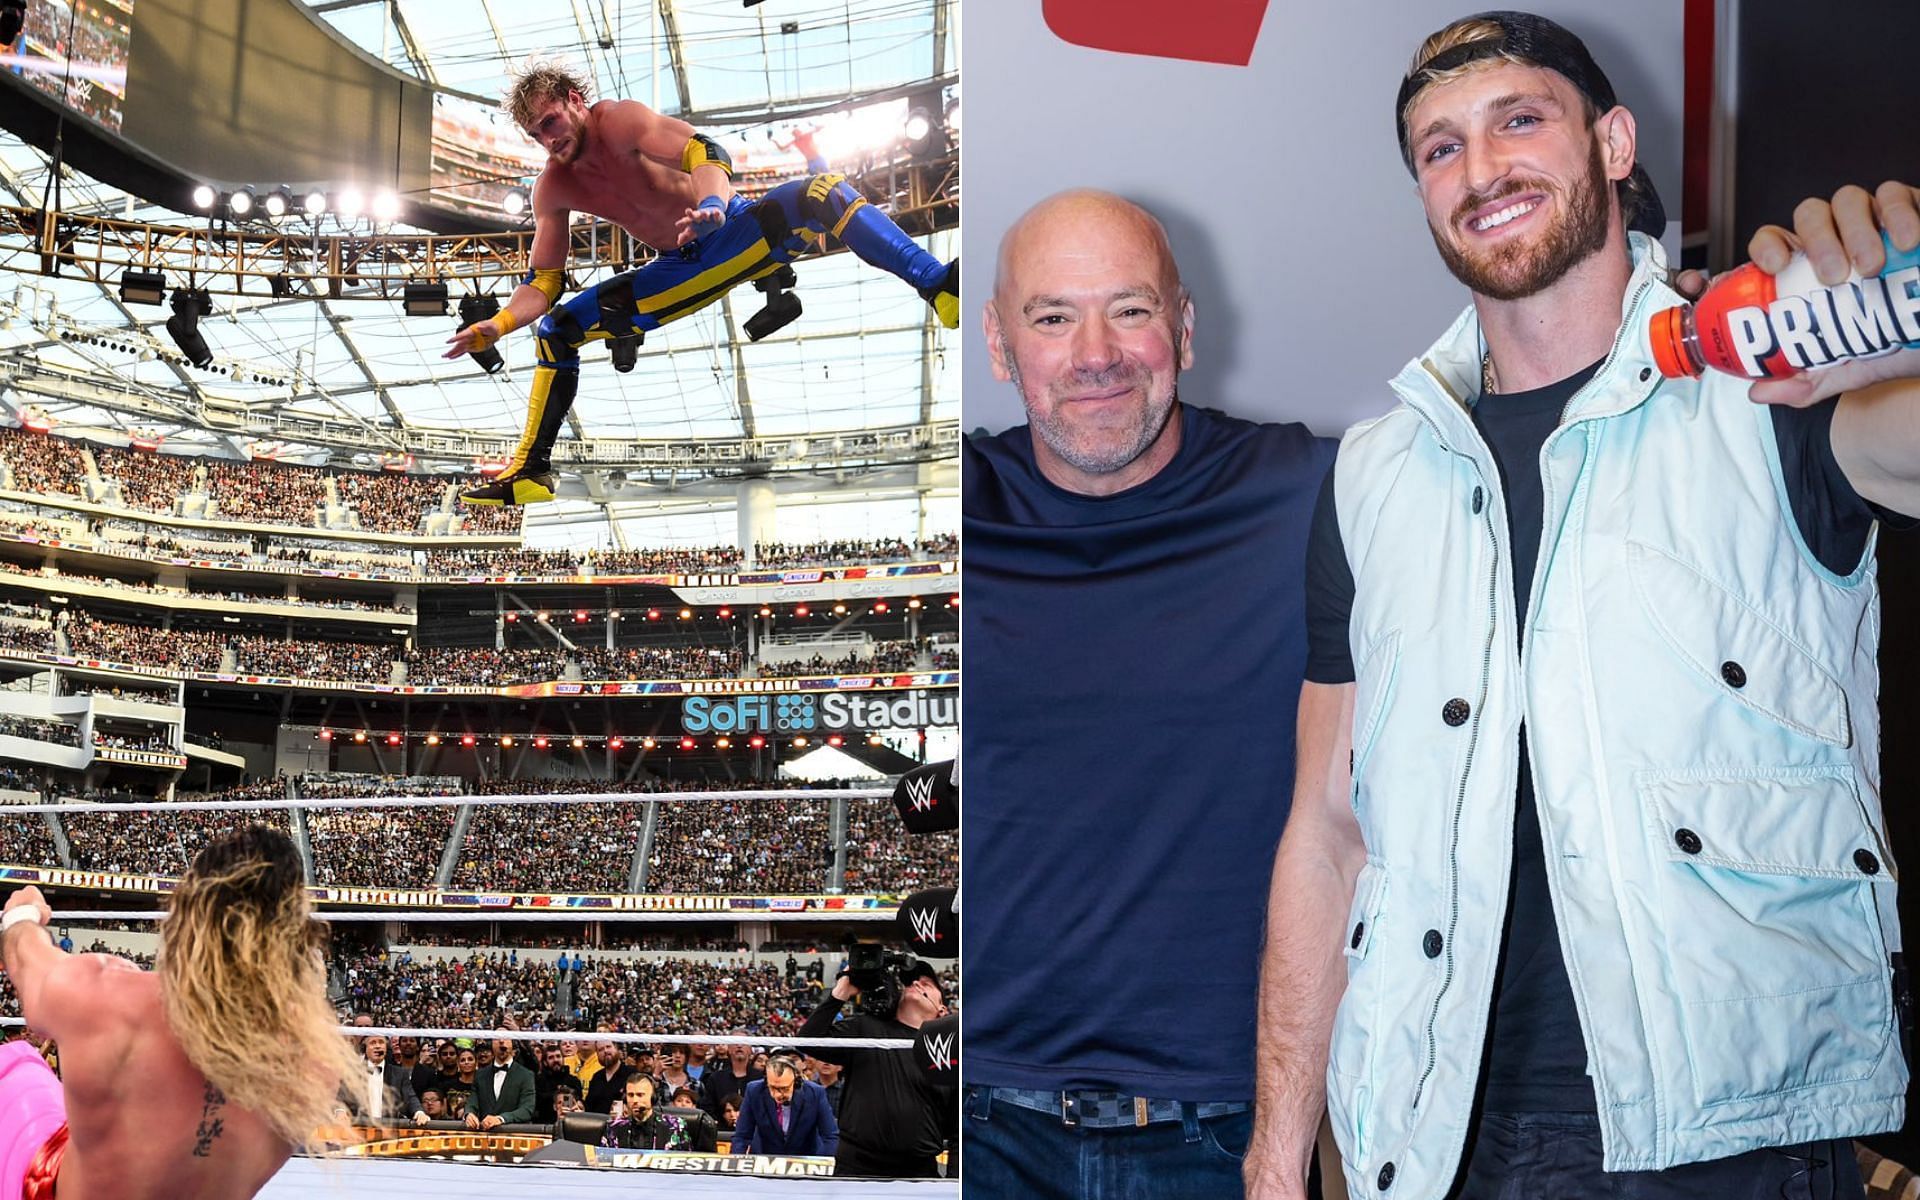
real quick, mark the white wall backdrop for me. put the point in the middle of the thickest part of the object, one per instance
(1295, 224)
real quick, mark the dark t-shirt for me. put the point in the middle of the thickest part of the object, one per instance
(1129, 758)
(1536, 1060)
(890, 1108)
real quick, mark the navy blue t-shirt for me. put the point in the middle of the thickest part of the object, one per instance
(1133, 670)
(1536, 1060)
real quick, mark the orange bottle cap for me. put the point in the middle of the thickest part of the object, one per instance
(1667, 337)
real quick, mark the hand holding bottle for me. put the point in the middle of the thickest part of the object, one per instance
(1830, 307)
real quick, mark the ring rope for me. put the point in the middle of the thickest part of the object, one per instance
(454, 801)
(81, 915)
(550, 1035)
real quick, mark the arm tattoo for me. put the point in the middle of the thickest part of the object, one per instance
(211, 1123)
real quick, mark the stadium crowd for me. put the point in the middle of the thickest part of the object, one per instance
(257, 492)
(373, 847)
(156, 742)
(698, 846)
(311, 658)
(156, 694)
(880, 657)
(883, 857)
(429, 666)
(25, 839)
(164, 843)
(658, 662)
(116, 641)
(39, 729)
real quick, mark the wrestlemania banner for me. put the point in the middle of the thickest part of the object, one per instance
(721, 906)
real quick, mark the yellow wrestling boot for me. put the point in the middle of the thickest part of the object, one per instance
(945, 296)
(521, 488)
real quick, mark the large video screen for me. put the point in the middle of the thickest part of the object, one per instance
(76, 51)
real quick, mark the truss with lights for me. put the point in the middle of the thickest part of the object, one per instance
(285, 262)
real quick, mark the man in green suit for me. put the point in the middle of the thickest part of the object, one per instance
(502, 1091)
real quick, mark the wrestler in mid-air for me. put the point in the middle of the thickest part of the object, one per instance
(197, 1079)
(671, 188)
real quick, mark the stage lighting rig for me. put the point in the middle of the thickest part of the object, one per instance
(473, 310)
(189, 305)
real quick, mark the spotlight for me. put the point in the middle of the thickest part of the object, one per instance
(687, 743)
(615, 743)
(953, 114)
(386, 205)
(350, 204)
(240, 204)
(515, 201)
(579, 743)
(466, 740)
(506, 739)
(433, 739)
(280, 285)
(279, 202)
(143, 287)
(189, 305)
(918, 125)
(625, 351)
(540, 743)
(203, 197)
(315, 203)
(425, 299)
(393, 739)
(473, 310)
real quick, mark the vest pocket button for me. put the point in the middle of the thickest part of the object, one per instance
(1386, 1177)
(1868, 864)
(1479, 499)
(1455, 712)
(1734, 674)
(1432, 943)
(1687, 840)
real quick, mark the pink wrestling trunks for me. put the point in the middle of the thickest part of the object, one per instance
(33, 1124)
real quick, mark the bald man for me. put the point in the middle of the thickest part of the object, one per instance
(1128, 744)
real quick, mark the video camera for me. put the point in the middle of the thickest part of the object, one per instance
(878, 973)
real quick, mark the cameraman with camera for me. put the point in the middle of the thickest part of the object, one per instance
(892, 1121)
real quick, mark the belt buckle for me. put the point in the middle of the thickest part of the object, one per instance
(1069, 1110)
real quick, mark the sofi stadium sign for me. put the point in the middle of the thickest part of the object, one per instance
(810, 712)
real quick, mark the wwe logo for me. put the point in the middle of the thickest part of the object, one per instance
(940, 1052)
(920, 793)
(925, 922)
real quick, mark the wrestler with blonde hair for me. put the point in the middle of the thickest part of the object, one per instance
(241, 965)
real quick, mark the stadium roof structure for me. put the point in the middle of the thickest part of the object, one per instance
(855, 400)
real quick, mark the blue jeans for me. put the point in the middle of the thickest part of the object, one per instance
(1014, 1153)
(1526, 1156)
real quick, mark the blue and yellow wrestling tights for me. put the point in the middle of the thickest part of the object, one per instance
(758, 238)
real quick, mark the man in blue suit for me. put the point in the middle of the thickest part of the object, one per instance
(785, 1114)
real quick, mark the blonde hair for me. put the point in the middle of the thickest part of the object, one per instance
(539, 82)
(241, 965)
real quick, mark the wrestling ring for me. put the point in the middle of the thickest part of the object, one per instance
(444, 1158)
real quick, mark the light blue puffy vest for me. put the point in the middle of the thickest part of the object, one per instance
(1699, 697)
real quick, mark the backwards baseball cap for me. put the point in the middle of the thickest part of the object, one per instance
(1536, 41)
(919, 968)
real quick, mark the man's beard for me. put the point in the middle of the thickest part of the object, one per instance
(1521, 269)
(1059, 435)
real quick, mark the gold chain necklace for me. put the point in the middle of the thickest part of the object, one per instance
(1486, 374)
